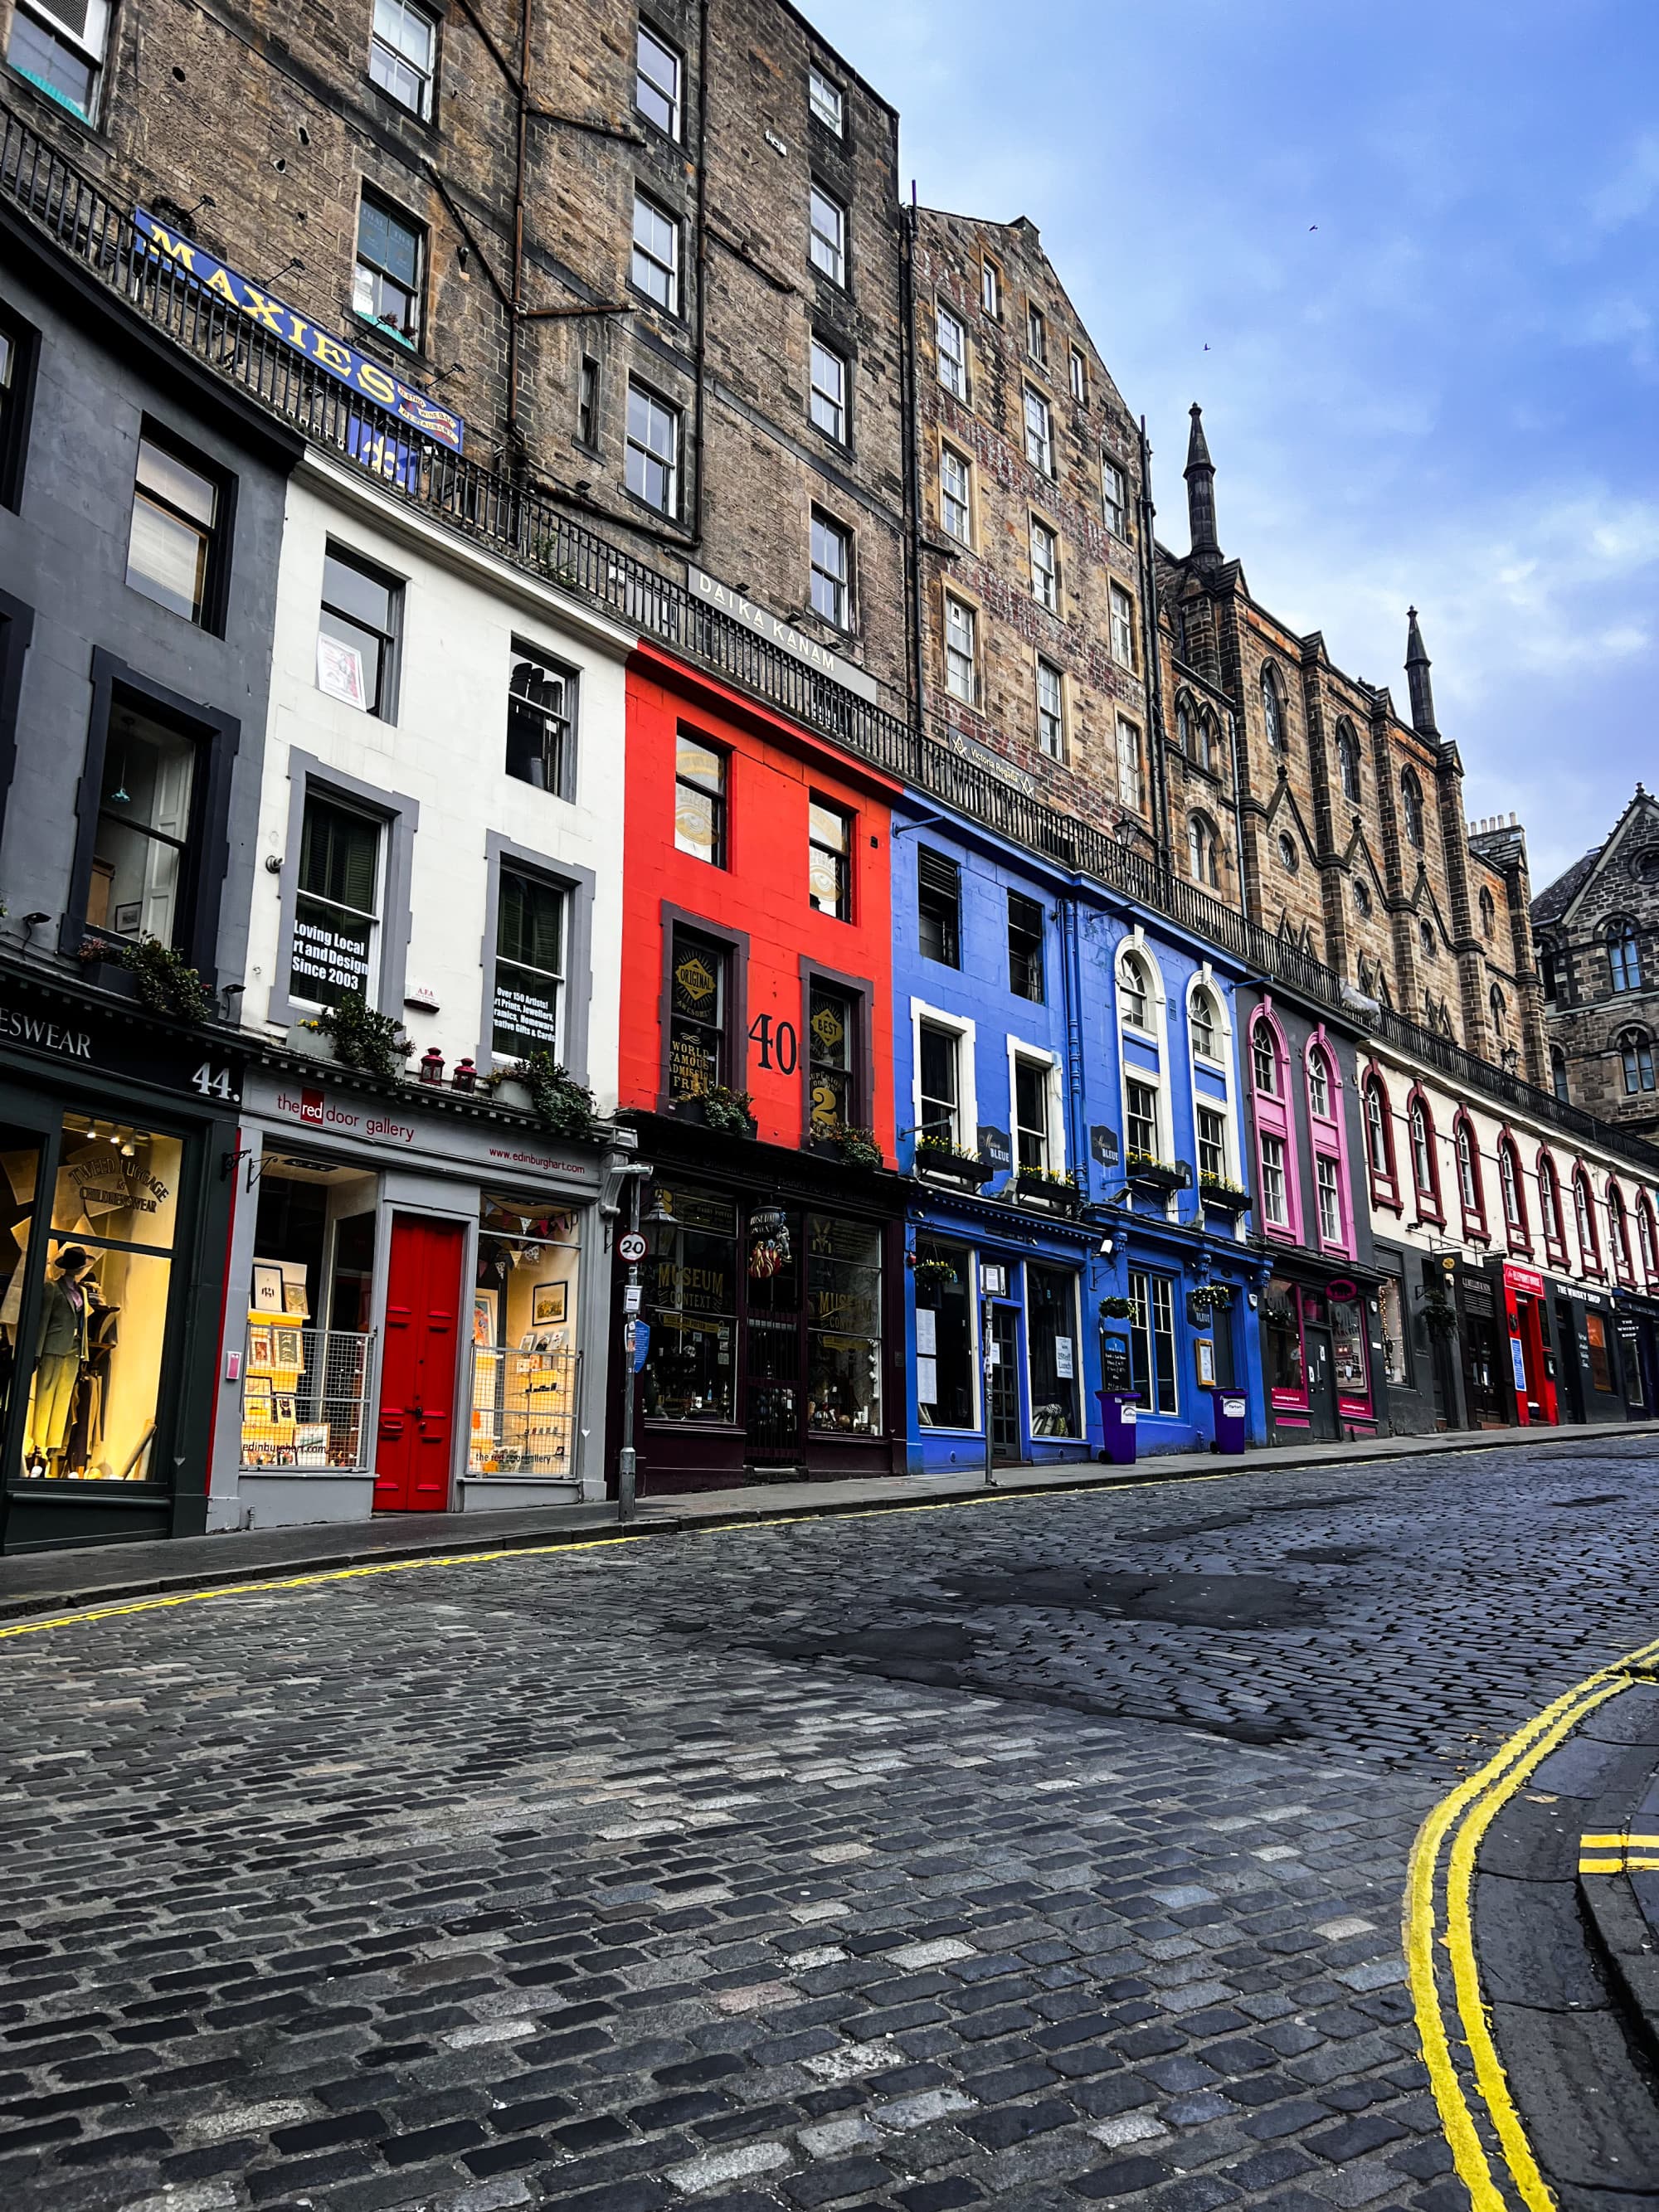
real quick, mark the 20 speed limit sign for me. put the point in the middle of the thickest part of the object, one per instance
(631, 1247)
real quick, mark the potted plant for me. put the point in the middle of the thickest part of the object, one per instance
(1209, 1298)
(933, 1275)
(1045, 1187)
(855, 1148)
(1116, 1309)
(1155, 1174)
(938, 1156)
(564, 1107)
(732, 1112)
(372, 1042)
(1226, 1196)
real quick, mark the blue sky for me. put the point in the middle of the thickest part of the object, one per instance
(1446, 393)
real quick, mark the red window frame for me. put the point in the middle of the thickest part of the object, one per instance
(1624, 1266)
(1474, 1214)
(1385, 1181)
(1590, 1261)
(1549, 1205)
(1431, 1208)
(1518, 1234)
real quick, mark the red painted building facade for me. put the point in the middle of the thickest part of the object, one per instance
(757, 1035)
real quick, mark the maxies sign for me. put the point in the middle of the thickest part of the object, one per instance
(353, 369)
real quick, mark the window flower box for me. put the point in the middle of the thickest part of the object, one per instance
(945, 1163)
(725, 1111)
(1223, 1196)
(1157, 1175)
(1057, 1193)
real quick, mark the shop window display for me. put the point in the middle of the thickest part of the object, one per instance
(95, 1366)
(1052, 1350)
(524, 1339)
(1394, 1330)
(843, 1316)
(691, 1374)
(307, 1358)
(944, 1334)
(1283, 1336)
(1348, 1344)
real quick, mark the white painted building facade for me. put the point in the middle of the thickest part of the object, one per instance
(418, 1307)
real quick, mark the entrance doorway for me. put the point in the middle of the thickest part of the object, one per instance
(1322, 1384)
(1572, 1378)
(1005, 1383)
(418, 1376)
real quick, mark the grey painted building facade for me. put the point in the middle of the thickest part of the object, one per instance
(141, 518)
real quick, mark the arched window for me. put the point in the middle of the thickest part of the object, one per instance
(1583, 1210)
(1264, 1059)
(1425, 938)
(1618, 1231)
(1287, 854)
(1488, 912)
(1624, 959)
(1647, 1233)
(1133, 992)
(1425, 1171)
(1347, 760)
(1202, 848)
(1500, 1016)
(1508, 1178)
(1207, 735)
(1272, 710)
(1636, 1053)
(1558, 1074)
(1379, 1130)
(1361, 898)
(1410, 808)
(1201, 1020)
(1319, 1085)
(1547, 972)
(1471, 1196)
(1549, 1205)
(1183, 726)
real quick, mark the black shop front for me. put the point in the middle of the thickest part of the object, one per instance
(116, 1130)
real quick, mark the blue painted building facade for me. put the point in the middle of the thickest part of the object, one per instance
(1066, 1078)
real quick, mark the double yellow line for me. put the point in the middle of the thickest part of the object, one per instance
(1488, 2142)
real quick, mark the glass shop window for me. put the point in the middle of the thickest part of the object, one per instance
(690, 1375)
(1596, 1330)
(696, 1014)
(95, 1375)
(524, 1339)
(336, 904)
(1152, 1341)
(142, 865)
(945, 1394)
(1392, 1309)
(305, 1370)
(1051, 1350)
(833, 1089)
(529, 965)
(1348, 1346)
(1282, 1334)
(20, 1183)
(843, 1326)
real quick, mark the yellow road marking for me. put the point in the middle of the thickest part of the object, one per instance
(1464, 1816)
(1618, 1843)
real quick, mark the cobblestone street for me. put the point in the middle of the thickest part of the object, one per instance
(1027, 1853)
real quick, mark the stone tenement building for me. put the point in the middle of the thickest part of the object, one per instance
(1597, 929)
(653, 257)
(1348, 831)
(1032, 528)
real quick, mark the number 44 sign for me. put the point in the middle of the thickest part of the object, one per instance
(214, 1082)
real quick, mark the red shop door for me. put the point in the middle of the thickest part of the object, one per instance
(417, 1377)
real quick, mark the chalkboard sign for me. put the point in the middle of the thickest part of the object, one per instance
(1114, 1365)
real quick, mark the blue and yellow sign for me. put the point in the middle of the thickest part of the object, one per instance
(353, 369)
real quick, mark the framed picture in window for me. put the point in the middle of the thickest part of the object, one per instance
(287, 1351)
(547, 1304)
(268, 1286)
(310, 1444)
(256, 1398)
(1204, 1354)
(340, 671)
(282, 1408)
(258, 1353)
(126, 918)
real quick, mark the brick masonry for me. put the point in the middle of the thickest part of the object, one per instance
(1589, 1022)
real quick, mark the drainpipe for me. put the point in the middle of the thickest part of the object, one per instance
(911, 428)
(1070, 972)
(515, 309)
(699, 341)
(1150, 647)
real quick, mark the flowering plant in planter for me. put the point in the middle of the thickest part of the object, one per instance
(1116, 1309)
(166, 982)
(859, 1148)
(1220, 1190)
(1210, 1296)
(936, 1274)
(731, 1110)
(565, 1107)
(372, 1042)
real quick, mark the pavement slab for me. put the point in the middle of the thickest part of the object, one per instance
(644, 1877)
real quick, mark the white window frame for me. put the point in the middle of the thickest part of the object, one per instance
(647, 253)
(426, 75)
(1045, 578)
(956, 382)
(967, 1089)
(954, 654)
(674, 94)
(672, 506)
(1328, 1183)
(826, 249)
(1079, 378)
(1039, 431)
(1059, 749)
(1217, 1113)
(1221, 1064)
(949, 454)
(1037, 334)
(1153, 1278)
(841, 587)
(834, 398)
(1131, 794)
(1123, 627)
(1275, 1163)
(826, 101)
(1038, 1056)
(89, 46)
(1115, 512)
(990, 288)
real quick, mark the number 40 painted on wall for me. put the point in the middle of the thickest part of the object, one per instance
(779, 1039)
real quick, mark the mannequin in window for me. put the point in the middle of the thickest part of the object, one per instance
(60, 1353)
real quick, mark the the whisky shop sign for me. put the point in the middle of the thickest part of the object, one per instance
(357, 370)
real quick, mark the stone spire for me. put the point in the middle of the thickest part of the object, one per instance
(1417, 675)
(1200, 495)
